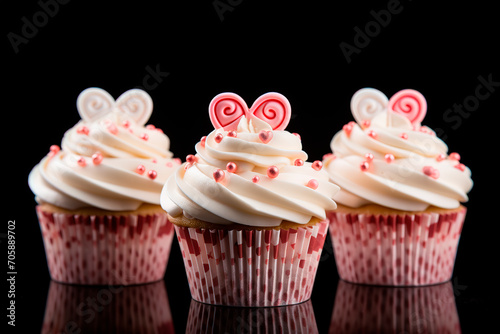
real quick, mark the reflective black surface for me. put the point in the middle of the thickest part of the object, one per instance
(464, 304)
(183, 54)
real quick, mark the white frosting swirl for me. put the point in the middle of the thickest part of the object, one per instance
(398, 183)
(112, 183)
(237, 199)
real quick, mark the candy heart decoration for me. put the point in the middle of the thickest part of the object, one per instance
(226, 109)
(265, 136)
(137, 104)
(410, 104)
(366, 103)
(95, 103)
(274, 109)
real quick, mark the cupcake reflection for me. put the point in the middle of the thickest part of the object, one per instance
(205, 318)
(107, 309)
(378, 309)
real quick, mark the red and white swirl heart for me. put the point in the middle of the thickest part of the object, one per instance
(226, 110)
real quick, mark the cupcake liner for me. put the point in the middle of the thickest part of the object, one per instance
(121, 250)
(397, 250)
(205, 318)
(111, 309)
(377, 309)
(251, 267)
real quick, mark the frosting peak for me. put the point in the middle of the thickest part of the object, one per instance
(249, 170)
(388, 158)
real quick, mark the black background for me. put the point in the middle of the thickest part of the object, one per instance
(251, 48)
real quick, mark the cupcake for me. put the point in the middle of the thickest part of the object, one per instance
(399, 216)
(248, 209)
(99, 194)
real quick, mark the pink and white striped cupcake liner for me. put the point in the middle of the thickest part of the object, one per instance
(98, 250)
(251, 267)
(396, 250)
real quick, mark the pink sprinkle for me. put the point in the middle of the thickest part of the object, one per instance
(203, 140)
(218, 137)
(232, 133)
(97, 158)
(255, 179)
(372, 134)
(144, 136)
(81, 162)
(365, 165)
(389, 158)
(265, 136)
(140, 169)
(169, 164)
(159, 130)
(313, 184)
(152, 174)
(431, 172)
(231, 167)
(348, 128)
(296, 135)
(460, 167)
(273, 172)
(219, 175)
(83, 130)
(150, 127)
(369, 157)
(154, 161)
(190, 158)
(112, 129)
(366, 123)
(126, 123)
(177, 160)
(441, 157)
(454, 156)
(317, 165)
(54, 148)
(298, 162)
(403, 135)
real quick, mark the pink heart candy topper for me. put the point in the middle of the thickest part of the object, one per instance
(94, 103)
(409, 103)
(226, 109)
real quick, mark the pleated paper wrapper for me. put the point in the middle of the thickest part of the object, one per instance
(206, 318)
(251, 267)
(97, 250)
(397, 250)
(107, 309)
(378, 309)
